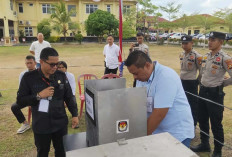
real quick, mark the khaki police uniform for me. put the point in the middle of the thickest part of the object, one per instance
(141, 47)
(213, 70)
(190, 63)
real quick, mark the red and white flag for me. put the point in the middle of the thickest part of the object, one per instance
(120, 38)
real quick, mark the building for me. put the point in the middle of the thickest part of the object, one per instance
(151, 24)
(26, 14)
(217, 24)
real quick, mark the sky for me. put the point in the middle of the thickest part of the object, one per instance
(196, 6)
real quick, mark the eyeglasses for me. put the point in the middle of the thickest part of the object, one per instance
(52, 64)
(59, 67)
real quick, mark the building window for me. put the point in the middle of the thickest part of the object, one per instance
(90, 8)
(126, 8)
(108, 8)
(28, 32)
(196, 31)
(31, 4)
(11, 4)
(72, 7)
(221, 28)
(21, 7)
(47, 8)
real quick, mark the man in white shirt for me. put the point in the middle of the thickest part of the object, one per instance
(16, 109)
(62, 66)
(37, 47)
(111, 53)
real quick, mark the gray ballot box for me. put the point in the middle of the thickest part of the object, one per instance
(158, 145)
(113, 111)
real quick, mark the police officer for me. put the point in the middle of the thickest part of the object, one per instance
(45, 90)
(214, 66)
(190, 61)
(139, 45)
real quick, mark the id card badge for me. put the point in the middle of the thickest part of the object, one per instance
(149, 104)
(43, 105)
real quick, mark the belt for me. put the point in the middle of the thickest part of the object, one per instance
(212, 89)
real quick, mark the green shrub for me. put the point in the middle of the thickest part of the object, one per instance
(53, 39)
(174, 40)
(224, 43)
(160, 41)
(79, 37)
(195, 41)
(229, 42)
(170, 40)
(201, 41)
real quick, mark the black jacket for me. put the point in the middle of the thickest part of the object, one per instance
(34, 82)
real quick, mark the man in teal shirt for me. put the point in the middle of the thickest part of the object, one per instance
(168, 109)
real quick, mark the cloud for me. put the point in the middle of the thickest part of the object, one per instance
(206, 4)
(197, 6)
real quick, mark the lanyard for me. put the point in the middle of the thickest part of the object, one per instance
(46, 81)
(151, 81)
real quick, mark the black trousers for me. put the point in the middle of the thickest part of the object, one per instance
(192, 87)
(16, 109)
(43, 142)
(213, 112)
(108, 71)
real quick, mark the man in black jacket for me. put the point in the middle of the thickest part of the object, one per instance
(46, 90)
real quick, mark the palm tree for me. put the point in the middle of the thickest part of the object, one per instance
(61, 18)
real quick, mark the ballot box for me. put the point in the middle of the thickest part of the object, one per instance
(158, 145)
(114, 112)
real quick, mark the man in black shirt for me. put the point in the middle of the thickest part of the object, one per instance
(46, 90)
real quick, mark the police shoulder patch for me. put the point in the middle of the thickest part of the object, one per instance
(229, 63)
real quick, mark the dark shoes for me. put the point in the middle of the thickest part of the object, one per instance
(201, 148)
(206, 148)
(216, 154)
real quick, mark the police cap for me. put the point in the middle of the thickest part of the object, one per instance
(218, 35)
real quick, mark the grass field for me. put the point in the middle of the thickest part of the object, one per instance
(85, 58)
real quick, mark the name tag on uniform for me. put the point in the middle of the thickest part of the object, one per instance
(149, 104)
(43, 105)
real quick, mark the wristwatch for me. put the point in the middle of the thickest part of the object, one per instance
(38, 97)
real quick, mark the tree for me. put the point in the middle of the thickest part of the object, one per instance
(45, 28)
(129, 23)
(206, 22)
(61, 18)
(226, 15)
(147, 9)
(74, 27)
(100, 22)
(171, 9)
(184, 22)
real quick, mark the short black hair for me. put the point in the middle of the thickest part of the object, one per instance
(48, 51)
(137, 58)
(30, 57)
(110, 36)
(139, 34)
(63, 63)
